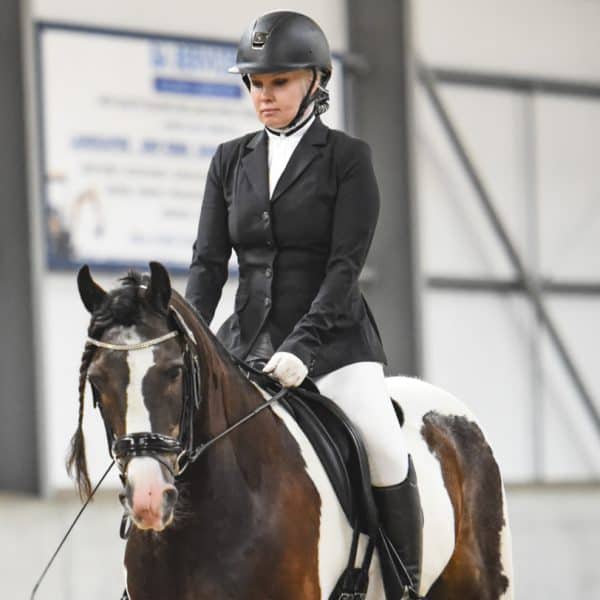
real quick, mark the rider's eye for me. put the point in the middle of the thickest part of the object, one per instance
(280, 82)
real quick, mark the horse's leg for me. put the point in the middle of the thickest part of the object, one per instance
(480, 566)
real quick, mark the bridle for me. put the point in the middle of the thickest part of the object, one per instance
(185, 448)
(131, 445)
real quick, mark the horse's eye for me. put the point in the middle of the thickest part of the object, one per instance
(173, 373)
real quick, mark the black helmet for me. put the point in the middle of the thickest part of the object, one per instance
(282, 41)
(285, 41)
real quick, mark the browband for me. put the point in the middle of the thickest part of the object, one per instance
(138, 346)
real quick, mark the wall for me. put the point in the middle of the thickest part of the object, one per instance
(536, 156)
(62, 319)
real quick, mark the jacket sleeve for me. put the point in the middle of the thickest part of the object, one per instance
(212, 248)
(354, 220)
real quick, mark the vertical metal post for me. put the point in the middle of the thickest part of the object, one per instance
(19, 462)
(382, 103)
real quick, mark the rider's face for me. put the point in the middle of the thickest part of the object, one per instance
(277, 96)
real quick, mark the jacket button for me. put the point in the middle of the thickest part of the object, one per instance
(268, 272)
(267, 302)
(269, 243)
(266, 216)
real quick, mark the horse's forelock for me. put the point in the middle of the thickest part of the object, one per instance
(122, 306)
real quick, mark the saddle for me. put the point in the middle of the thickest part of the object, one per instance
(341, 451)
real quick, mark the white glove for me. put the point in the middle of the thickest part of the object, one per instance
(287, 368)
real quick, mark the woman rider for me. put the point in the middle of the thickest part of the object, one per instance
(299, 203)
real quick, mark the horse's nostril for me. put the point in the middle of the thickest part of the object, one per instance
(123, 498)
(170, 496)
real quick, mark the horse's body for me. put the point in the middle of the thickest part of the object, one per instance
(466, 542)
(257, 517)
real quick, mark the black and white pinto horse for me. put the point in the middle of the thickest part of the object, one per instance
(255, 516)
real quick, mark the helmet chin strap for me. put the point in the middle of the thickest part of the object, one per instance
(290, 129)
(303, 114)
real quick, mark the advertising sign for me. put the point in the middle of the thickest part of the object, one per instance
(129, 125)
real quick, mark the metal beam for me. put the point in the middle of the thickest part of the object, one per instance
(518, 83)
(530, 284)
(487, 284)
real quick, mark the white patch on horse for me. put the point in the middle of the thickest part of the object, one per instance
(137, 418)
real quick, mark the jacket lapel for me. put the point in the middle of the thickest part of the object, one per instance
(306, 151)
(255, 164)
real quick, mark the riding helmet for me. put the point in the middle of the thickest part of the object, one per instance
(282, 41)
(285, 41)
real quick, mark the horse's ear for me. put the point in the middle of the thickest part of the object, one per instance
(158, 293)
(92, 295)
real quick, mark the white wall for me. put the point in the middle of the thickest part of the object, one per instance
(557, 38)
(538, 158)
(225, 20)
(61, 317)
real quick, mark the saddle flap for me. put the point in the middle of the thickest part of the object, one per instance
(341, 451)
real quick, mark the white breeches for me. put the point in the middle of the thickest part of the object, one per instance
(361, 392)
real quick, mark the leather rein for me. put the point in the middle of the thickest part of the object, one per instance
(185, 447)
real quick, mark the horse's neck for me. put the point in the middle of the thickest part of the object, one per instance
(253, 457)
(227, 397)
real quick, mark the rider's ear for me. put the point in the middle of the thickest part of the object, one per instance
(92, 295)
(159, 290)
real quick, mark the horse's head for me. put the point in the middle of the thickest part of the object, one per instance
(134, 361)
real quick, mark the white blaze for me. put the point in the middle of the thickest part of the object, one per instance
(137, 418)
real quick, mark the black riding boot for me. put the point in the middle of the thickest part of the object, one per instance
(401, 518)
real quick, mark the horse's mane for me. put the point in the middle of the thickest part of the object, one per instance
(125, 306)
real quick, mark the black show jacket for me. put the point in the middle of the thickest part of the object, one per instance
(299, 253)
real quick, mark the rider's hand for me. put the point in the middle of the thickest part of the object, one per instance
(287, 368)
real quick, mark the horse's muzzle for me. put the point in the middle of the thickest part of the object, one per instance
(147, 498)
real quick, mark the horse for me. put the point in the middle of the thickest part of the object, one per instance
(254, 515)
